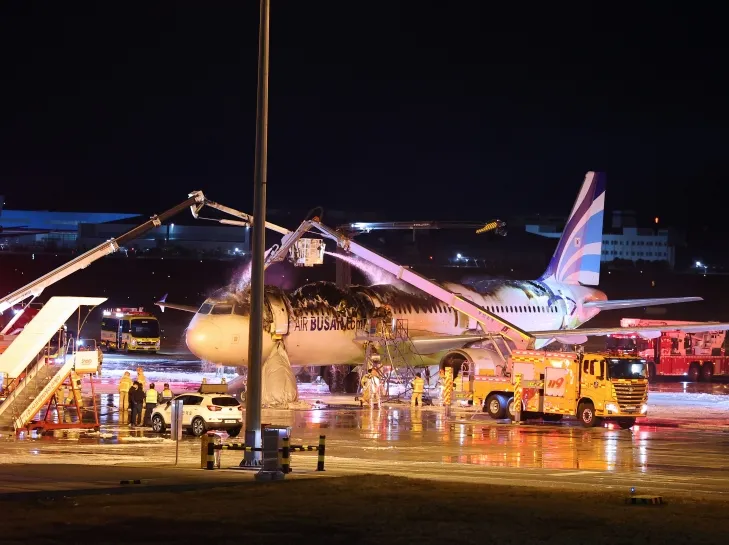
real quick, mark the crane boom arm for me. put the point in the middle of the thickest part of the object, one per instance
(247, 220)
(35, 288)
(358, 228)
(489, 322)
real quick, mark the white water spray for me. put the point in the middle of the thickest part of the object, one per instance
(244, 280)
(373, 273)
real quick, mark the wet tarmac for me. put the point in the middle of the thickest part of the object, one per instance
(427, 442)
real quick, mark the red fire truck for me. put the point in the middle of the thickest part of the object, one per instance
(697, 356)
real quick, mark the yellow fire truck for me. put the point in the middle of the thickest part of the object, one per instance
(590, 386)
(130, 329)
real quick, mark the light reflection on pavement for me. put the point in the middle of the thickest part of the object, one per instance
(403, 434)
(426, 443)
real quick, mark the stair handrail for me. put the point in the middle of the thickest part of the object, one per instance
(30, 411)
(25, 378)
(28, 374)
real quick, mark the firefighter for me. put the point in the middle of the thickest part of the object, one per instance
(417, 397)
(375, 388)
(167, 394)
(64, 391)
(365, 383)
(100, 355)
(63, 396)
(67, 397)
(151, 402)
(76, 387)
(124, 385)
(141, 379)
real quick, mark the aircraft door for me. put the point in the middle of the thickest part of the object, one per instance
(591, 380)
(464, 320)
(279, 312)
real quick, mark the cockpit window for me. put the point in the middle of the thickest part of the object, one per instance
(222, 308)
(205, 308)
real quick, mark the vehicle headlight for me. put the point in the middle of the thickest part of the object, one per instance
(611, 407)
(644, 408)
(134, 342)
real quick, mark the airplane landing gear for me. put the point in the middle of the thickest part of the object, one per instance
(336, 377)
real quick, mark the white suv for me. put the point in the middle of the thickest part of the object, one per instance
(202, 412)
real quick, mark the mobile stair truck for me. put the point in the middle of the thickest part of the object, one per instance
(591, 386)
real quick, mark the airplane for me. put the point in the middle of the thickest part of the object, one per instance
(319, 324)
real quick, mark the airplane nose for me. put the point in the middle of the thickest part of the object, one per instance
(204, 339)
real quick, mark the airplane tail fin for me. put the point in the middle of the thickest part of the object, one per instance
(577, 257)
(163, 300)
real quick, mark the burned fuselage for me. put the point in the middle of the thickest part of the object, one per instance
(320, 323)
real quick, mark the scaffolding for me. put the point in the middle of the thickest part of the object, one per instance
(389, 350)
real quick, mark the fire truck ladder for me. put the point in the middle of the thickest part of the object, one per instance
(33, 380)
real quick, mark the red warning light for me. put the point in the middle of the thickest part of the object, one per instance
(655, 219)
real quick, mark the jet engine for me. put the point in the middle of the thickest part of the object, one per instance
(476, 360)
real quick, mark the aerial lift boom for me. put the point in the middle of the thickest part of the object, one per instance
(357, 228)
(35, 288)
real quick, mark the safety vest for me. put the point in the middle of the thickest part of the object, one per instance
(167, 394)
(152, 396)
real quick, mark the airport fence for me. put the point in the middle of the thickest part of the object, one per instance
(211, 449)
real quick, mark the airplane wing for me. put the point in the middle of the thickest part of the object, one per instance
(636, 303)
(163, 304)
(429, 344)
(570, 335)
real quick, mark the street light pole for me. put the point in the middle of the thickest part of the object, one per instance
(255, 340)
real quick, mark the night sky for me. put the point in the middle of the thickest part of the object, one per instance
(418, 109)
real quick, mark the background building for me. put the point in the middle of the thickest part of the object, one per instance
(201, 238)
(46, 229)
(42, 230)
(624, 240)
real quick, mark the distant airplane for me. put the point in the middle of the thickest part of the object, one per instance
(318, 323)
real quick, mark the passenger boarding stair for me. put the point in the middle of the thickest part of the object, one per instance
(32, 382)
(37, 387)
